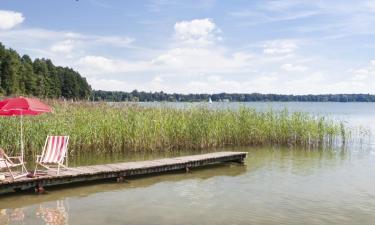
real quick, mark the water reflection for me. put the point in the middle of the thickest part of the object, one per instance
(275, 186)
(12, 216)
(84, 190)
(53, 215)
(52, 208)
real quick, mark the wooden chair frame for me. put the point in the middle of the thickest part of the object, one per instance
(10, 163)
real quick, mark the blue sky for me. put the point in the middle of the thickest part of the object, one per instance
(210, 46)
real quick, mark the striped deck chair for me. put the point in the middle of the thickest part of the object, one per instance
(7, 163)
(54, 155)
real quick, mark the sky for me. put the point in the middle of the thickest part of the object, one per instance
(207, 46)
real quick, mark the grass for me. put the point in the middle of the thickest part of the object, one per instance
(99, 127)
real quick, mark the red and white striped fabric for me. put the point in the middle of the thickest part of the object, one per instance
(55, 149)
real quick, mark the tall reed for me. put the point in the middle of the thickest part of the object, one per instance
(100, 127)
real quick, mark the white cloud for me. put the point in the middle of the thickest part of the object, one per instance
(195, 61)
(197, 67)
(364, 74)
(202, 59)
(97, 65)
(10, 19)
(109, 84)
(293, 68)
(282, 5)
(100, 63)
(167, 59)
(251, 17)
(37, 35)
(156, 6)
(113, 40)
(154, 84)
(183, 80)
(63, 47)
(198, 31)
(369, 5)
(279, 47)
(192, 61)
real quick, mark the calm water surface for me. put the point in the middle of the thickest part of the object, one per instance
(275, 186)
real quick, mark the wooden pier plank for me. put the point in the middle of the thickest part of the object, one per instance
(127, 169)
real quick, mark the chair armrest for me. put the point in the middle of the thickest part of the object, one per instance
(18, 158)
(14, 157)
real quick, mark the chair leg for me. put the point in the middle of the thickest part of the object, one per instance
(11, 173)
(36, 167)
(39, 164)
(47, 167)
(24, 167)
(64, 166)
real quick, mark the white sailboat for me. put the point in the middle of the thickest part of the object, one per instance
(210, 100)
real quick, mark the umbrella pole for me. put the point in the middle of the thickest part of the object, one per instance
(22, 153)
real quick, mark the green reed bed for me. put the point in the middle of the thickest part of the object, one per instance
(100, 127)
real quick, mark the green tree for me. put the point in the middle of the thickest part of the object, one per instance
(27, 78)
(10, 73)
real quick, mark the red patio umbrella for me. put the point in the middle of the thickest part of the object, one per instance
(21, 106)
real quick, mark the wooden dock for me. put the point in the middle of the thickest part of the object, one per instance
(120, 171)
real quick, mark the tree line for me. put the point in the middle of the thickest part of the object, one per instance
(119, 96)
(20, 75)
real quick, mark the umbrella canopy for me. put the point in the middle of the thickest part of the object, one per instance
(21, 106)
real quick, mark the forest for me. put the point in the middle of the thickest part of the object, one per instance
(20, 75)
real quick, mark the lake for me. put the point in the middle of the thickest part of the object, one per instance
(274, 186)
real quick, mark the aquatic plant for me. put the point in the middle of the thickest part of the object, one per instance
(102, 127)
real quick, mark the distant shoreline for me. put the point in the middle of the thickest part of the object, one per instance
(141, 96)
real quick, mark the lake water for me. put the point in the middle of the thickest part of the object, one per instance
(274, 186)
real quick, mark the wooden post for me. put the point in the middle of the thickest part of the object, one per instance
(241, 160)
(120, 179)
(39, 189)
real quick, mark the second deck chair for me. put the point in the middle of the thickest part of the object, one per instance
(7, 162)
(54, 154)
